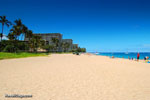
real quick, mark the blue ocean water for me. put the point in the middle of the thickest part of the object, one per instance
(125, 55)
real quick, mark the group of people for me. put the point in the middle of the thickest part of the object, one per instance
(146, 58)
(138, 57)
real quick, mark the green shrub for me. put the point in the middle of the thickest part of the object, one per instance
(10, 48)
(48, 48)
(13, 46)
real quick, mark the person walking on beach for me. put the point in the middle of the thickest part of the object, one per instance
(138, 56)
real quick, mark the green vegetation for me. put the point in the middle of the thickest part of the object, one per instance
(16, 47)
(16, 37)
(4, 21)
(63, 52)
(65, 46)
(79, 50)
(4, 55)
(48, 48)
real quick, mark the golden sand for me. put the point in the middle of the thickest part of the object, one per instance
(72, 77)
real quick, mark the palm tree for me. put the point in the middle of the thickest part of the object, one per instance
(35, 42)
(29, 34)
(65, 46)
(56, 42)
(18, 22)
(17, 29)
(48, 48)
(24, 31)
(4, 21)
(11, 36)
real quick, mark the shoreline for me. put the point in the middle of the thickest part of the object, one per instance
(140, 60)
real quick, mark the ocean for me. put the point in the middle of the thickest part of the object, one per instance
(124, 55)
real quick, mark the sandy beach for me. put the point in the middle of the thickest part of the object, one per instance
(72, 77)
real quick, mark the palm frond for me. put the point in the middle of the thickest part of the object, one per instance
(4, 17)
(7, 24)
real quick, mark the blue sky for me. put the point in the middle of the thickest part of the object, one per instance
(98, 25)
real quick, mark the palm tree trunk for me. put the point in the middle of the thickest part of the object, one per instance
(2, 31)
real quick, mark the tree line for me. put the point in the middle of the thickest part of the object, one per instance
(17, 34)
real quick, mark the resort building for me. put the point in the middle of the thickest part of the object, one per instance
(74, 46)
(69, 41)
(48, 40)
